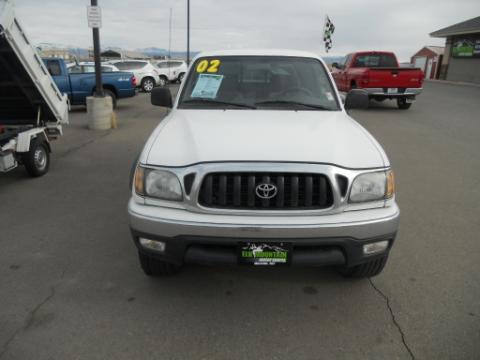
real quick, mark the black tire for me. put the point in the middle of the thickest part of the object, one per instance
(163, 81)
(366, 270)
(37, 159)
(180, 78)
(155, 267)
(402, 104)
(148, 84)
(110, 93)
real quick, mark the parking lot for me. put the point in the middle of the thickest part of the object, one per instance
(71, 286)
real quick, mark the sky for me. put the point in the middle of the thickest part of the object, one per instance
(401, 26)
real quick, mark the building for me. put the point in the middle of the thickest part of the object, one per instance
(57, 53)
(428, 59)
(461, 60)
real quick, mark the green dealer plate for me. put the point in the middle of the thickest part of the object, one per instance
(267, 254)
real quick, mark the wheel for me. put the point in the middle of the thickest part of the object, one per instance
(163, 81)
(110, 93)
(368, 269)
(37, 159)
(403, 104)
(155, 267)
(148, 84)
(180, 77)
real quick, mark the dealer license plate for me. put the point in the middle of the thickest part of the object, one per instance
(392, 90)
(269, 254)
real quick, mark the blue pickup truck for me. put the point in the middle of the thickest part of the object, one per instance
(78, 86)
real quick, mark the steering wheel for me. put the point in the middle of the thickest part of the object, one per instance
(296, 90)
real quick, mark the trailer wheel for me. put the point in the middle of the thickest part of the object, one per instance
(37, 160)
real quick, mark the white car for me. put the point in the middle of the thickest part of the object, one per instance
(259, 163)
(175, 69)
(146, 74)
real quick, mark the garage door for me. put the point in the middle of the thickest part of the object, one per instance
(420, 62)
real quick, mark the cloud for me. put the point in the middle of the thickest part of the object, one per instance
(400, 26)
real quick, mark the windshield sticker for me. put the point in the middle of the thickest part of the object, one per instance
(329, 96)
(207, 86)
(208, 66)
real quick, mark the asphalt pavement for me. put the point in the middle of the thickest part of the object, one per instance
(71, 286)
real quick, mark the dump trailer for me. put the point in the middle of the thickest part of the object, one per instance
(32, 109)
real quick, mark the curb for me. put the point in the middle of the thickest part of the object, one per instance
(448, 82)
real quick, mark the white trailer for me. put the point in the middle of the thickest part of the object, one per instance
(32, 109)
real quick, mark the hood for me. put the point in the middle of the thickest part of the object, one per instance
(187, 137)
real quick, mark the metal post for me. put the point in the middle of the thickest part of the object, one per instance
(170, 36)
(96, 54)
(188, 32)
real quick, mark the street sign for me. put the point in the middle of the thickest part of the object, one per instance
(94, 16)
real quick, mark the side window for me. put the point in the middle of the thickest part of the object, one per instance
(54, 68)
(347, 60)
(106, 69)
(138, 65)
(77, 69)
(162, 65)
(88, 69)
(121, 65)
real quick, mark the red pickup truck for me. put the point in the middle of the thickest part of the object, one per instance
(379, 73)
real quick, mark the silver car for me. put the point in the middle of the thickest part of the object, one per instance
(259, 163)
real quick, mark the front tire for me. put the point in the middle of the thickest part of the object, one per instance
(180, 78)
(155, 267)
(37, 159)
(148, 84)
(365, 270)
(163, 81)
(403, 104)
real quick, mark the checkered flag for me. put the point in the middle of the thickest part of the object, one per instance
(327, 33)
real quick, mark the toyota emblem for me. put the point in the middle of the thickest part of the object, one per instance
(266, 191)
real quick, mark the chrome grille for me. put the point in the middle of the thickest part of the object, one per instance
(295, 191)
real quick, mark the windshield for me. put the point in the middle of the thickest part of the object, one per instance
(258, 82)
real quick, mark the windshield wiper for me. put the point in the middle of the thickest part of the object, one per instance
(287, 102)
(211, 101)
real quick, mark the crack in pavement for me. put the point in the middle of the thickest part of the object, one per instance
(394, 319)
(31, 315)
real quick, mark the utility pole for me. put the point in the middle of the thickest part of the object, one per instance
(188, 32)
(96, 55)
(99, 106)
(170, 36)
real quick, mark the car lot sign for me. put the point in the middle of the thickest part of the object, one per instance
(94, 15)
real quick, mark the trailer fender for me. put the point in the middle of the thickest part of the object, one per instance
(25, 138)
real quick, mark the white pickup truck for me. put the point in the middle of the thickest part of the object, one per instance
(32, 109)
(258, 163)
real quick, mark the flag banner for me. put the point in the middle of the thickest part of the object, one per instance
(327, 33)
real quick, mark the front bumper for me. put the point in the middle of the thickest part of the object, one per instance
(190, 237)
(383, 92)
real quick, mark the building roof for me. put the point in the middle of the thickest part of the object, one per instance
(439, 50)
(465, 27)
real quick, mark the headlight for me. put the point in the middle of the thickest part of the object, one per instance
(373, 186)
(158, 183)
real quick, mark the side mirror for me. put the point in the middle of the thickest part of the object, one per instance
(356, 99)
(161, 96)
(335, 65)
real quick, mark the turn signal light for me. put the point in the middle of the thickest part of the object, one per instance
(139, 180)
(390, 184)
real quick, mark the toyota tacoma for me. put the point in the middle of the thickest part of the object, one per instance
(259, 163)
